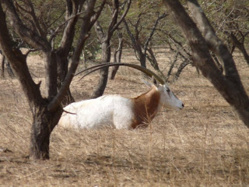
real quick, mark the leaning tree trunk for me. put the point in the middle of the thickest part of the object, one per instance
(228, 85)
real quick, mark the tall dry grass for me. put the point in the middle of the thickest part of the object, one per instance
(205, 144)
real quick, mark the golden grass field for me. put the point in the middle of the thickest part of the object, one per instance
(205, 144)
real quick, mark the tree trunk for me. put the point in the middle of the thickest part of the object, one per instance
(228, 85)
(105, 43)
(245, 54)
(10, 71)
(43, 124)
(106, 56)
(2, 64)
(8, 66)
(62, 70)
(46, 112)
(143, 60)
(240, 46)
(117, 55)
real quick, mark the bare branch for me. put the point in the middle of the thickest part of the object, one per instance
(214, 43)
(35, 20)
(232, 90)
(122, 17)
(88, 20)
(153, 30)
(27, 35)
(68, 34)
(18, 63)
(136, 45)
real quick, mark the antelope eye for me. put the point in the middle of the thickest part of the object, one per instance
(168, 90)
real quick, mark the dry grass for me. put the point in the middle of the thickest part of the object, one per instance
(203, 145)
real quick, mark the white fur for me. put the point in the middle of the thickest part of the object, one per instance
(112, 110)
(168, 98)
(99, 112)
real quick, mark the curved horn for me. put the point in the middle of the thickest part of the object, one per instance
(140, 68)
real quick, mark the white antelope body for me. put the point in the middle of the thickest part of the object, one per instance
(122, 112)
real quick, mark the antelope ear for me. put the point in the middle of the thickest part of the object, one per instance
(151, 82)
(155, 82)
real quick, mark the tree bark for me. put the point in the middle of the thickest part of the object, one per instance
(105, 40)
(117, 55)
(44, 122)
(46, 111)
(2, 64)
(106, 57)
(62, 70)
(240, 46)
(88, 21)
(228, 85)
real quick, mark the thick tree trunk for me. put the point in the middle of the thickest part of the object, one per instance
(43, 124)
(46, 112)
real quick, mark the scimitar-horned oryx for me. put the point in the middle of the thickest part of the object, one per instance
(120, 112)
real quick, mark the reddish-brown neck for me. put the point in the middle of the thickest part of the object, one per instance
(146, 107)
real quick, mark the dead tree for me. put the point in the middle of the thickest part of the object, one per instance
(202, 39)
